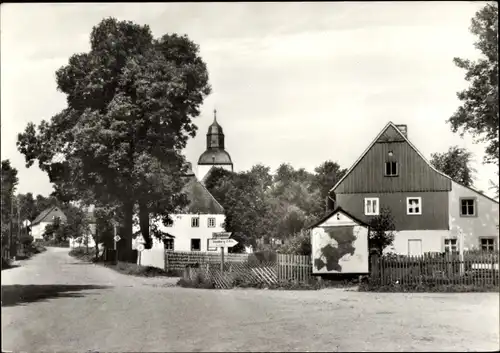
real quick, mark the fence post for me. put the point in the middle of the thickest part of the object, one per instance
(374, 267)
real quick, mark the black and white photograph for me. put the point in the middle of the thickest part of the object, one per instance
(250, 176)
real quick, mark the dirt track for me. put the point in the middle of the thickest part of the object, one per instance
(55, 303)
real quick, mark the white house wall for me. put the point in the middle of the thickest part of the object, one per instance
(485, 224)
(38, 230)
(431, 241)
(183, 233)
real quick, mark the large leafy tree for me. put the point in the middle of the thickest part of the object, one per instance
(131, 100)
(456, 163)
(478, 114)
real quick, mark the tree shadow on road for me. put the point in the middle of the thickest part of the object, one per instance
(19, 294)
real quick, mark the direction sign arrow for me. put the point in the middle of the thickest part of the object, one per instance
(221, 243)
(221, 235)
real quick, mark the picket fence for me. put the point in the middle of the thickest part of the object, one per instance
(241, 268)
(474, 269)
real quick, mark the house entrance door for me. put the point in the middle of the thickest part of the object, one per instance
(414, 247)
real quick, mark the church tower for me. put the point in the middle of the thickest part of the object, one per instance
(215, 156)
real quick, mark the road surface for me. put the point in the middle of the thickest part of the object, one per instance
(53, 302)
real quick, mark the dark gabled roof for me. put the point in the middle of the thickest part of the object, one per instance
(41, 217)
(200, 199)
(337, 209)
(390, 124)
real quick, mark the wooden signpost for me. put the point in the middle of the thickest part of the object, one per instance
(221, 240)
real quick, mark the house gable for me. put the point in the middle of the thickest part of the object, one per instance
(49, 214)
(338, 217)
(415, 173)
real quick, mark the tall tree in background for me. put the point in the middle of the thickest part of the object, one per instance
(456, 164)
(478, 114)
(327, 175)
(131, 100)
(9, 181)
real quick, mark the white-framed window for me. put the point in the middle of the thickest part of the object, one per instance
(195, 244)
(371, 206)
(195, 222)
(487, 244)
(414, 205)
(211, 222)
(468, 207)
(391, 168)
(451, 245)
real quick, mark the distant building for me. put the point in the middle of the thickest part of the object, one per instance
(203, 216)
(45, 218)
(215, 155)
(431, 211)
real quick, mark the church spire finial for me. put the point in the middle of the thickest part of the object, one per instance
(215, 115)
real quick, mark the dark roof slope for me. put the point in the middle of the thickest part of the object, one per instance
(200, 199)
(43, 215)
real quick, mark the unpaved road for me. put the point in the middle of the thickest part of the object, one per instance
(55, 303)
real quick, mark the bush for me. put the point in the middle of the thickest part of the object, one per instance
(6, 263)
(298, 244)
(54, 243)
(138, 270)
(198, 281)
(83, 254)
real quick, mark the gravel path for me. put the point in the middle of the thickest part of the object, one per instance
(55, 303)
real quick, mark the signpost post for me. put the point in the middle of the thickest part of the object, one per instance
(140, 249)
(221, 241)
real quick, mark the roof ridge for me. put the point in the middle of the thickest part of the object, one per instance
(390, 123)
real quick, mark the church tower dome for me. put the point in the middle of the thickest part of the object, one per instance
(215, 154)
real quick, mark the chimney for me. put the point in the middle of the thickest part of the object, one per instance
(403, 129)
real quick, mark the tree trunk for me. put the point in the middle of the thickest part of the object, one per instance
(124, 246)
(144, 224)
(96, 241)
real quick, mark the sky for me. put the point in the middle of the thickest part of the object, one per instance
(297, 83)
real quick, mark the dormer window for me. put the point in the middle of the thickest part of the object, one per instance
(391, 168)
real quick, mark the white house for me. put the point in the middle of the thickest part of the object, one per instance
(45, 218)
(191, 229)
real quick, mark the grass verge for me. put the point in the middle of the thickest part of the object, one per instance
(126, 268)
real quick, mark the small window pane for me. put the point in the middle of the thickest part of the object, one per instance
(195, 222)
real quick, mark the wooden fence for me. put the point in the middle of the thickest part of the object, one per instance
(178, 260)
(294, 268)
(238, 268)
(474, 269)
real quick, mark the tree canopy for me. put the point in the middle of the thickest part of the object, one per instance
(260, 206)
(130, 104)
(478, 114)
(456, 163)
